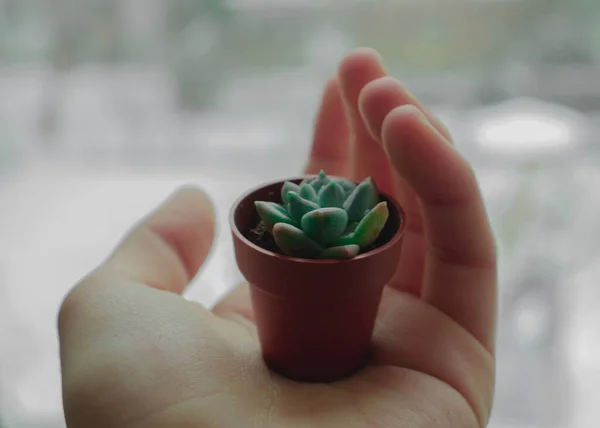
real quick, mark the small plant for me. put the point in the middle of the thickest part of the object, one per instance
(324, 217)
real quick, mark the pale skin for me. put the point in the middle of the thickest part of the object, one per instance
(135, 354)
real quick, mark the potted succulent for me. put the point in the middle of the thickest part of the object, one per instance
(317, 252)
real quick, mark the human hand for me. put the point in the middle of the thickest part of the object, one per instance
(136, 354)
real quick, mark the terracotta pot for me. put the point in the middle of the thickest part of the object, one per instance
(314, 318)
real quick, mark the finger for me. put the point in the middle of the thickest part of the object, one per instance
(163, 252)
(368, 159)
(460, 275)
(414, 335)
(331, 145)
(166, 249)
(380, 96)
(376, 100)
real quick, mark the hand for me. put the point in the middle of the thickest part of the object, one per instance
(136, 354)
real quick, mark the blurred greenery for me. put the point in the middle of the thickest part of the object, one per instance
(8, 155)
(205, 43)
(181, 13)
(424, 35)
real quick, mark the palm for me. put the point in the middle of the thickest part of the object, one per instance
(203, 370)
(172, 363)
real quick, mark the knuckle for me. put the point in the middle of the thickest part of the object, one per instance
(74, 304)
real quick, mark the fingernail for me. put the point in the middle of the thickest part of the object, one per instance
(423, 119)
(367, 124)
(418, 113)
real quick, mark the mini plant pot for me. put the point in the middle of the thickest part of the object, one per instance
(314, 318)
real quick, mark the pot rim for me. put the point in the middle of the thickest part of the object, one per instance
(397, 236)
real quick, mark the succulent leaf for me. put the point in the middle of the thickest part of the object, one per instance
(347, 185)
(298, 206)
(361, 200)
(271, 213)
(294, 242)
(288, 187)
(371, 225)
(340, 253)
(320, 181)
(325, 217)
(309, 193)
(346, 239)
(307, 180)
(351, 227)
(325, 225)
(332, 195)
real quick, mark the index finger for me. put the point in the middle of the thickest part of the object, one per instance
(460, 275)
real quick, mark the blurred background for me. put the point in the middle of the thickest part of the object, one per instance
(107, 105)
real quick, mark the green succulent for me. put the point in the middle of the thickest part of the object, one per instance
(325, 217)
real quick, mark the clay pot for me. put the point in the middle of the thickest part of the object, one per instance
(314, 318)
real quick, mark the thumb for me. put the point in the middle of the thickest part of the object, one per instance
(166, 249)
(109, 323)
(163, 252)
